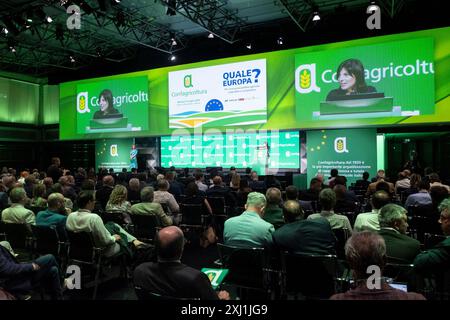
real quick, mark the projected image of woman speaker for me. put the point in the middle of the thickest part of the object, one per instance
(106, 104)
(350, 75)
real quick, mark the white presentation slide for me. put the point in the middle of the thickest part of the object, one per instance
(231, 94)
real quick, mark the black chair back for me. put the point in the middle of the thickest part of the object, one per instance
(46, 240)
(18, 235)
(192, 214)
(246, 266)
(312, 276)
(166, 208)
(116, 217)
(145, 226)
(342, 235)
(81, 248)
(217, 205)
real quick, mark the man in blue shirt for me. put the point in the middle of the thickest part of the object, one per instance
(422, 198)
(249, 229)
(55, 215)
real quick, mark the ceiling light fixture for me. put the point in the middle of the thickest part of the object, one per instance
(372, 6)
(316, 16)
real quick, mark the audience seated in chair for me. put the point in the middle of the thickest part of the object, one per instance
(103, 193)
(110, 235)
(369, 220)
(163, 196)
(39, 199)
(17, 213)
(380, 178)
(327, 200)
(393, 223)
(438, 258)
(403, 181)
(363, 184)
(362, 250)
(134, 189)
(303, 236)
(169, 277)
(148, 207)
(249, 230)
(421, 198)
(54, 215)
(312, 194)
(273, 213)
(292, 194)
(219, 190)
(118, 203)
(21, 278)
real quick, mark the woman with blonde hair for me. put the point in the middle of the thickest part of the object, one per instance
(118, 203)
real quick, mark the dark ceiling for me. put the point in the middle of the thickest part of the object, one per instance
(129, 35)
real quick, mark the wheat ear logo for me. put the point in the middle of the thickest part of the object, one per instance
(82, 102)
(305, 78)
(340, 145)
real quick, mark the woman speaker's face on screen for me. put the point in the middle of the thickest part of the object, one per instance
(346, 81)
(103, 104)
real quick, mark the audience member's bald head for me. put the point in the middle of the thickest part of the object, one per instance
(292, 211)
(170, 243)
(108, 181)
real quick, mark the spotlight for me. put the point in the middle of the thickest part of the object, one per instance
(12, 45)
(49, 19)
(210, 36)
(174, 42)
(117, 1)
(72, 59)
(5, 30)
(249, 46)
(280, 41)
(372, 7)
(316, 16)
(172, 57)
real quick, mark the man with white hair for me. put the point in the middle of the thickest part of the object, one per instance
(17, 213)
(249, 229)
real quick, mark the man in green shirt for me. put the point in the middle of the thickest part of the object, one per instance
(249, 230)
(148, 207)
(273, 212)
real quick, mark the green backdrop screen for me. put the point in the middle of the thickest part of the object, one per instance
(350, 151)
(416, 94)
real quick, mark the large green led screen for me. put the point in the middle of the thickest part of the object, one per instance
(406, 76)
